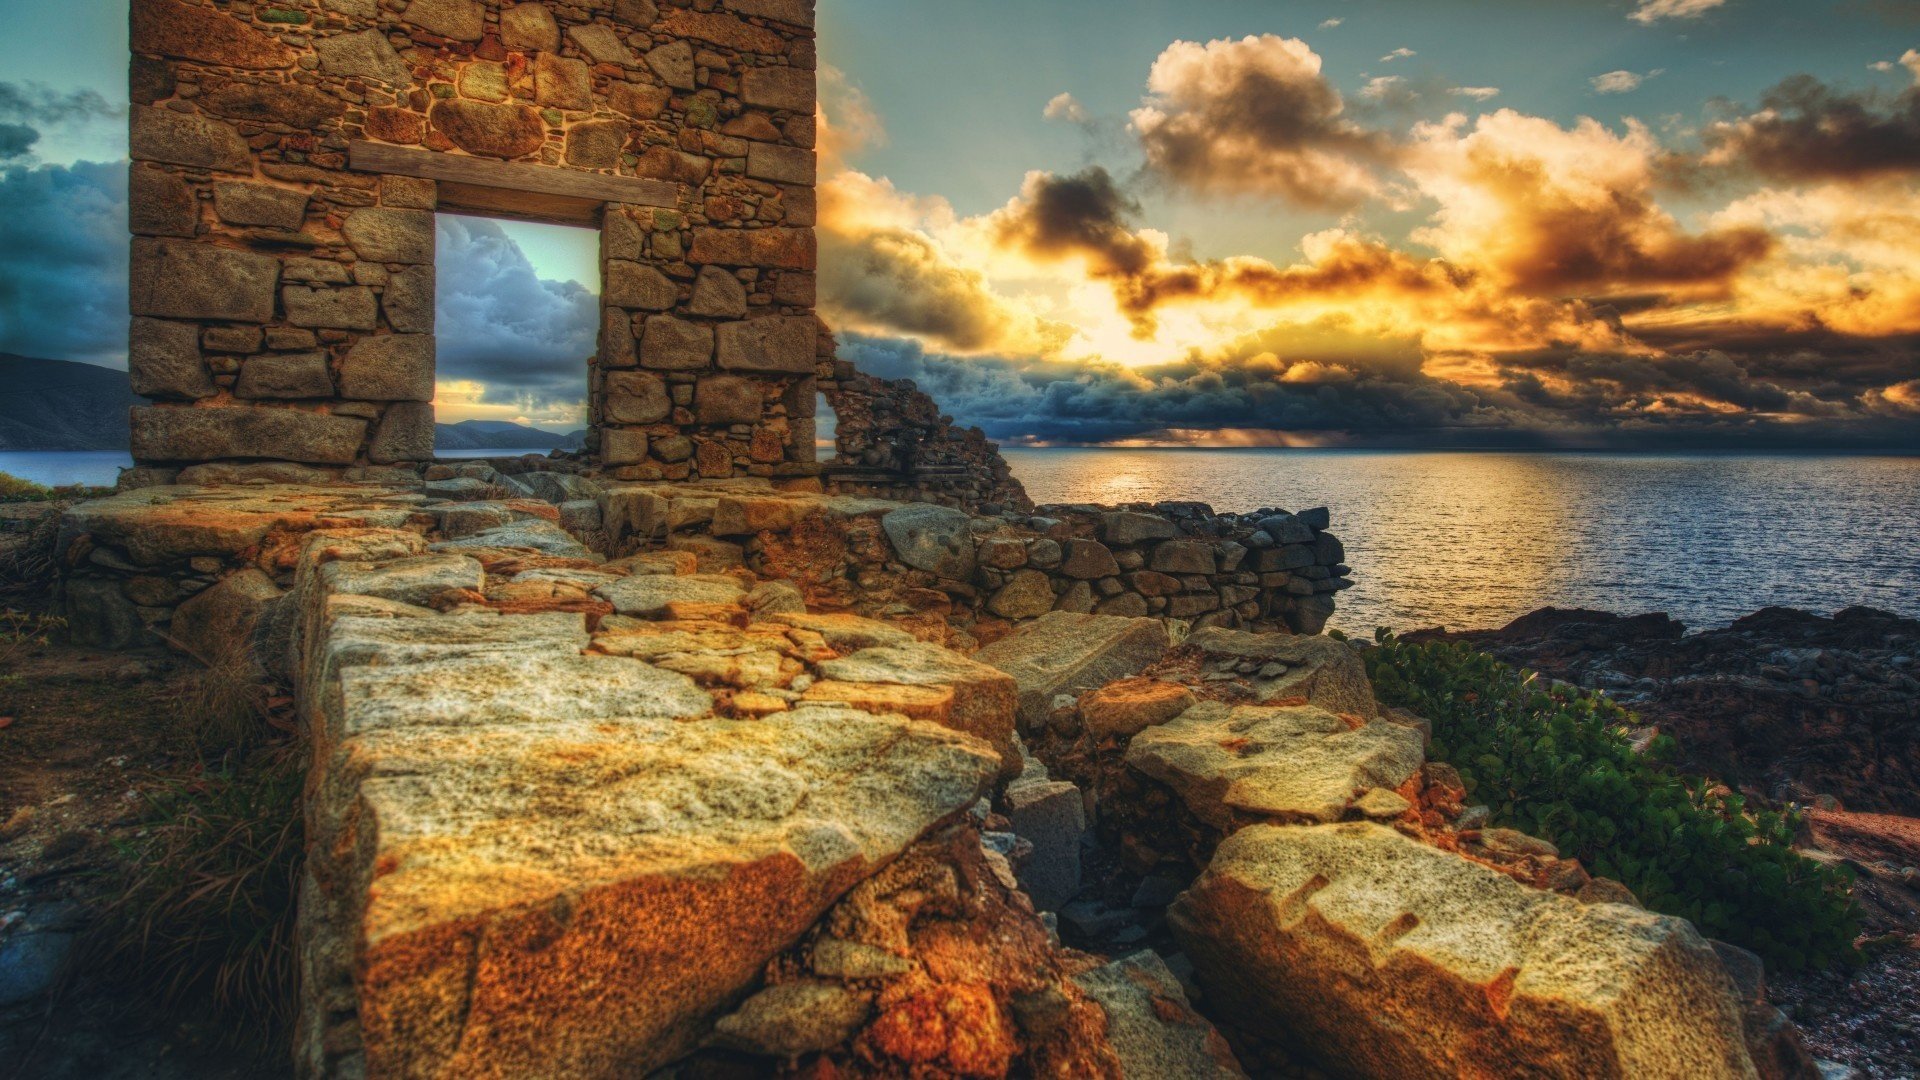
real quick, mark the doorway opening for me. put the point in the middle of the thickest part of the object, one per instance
(517, 311)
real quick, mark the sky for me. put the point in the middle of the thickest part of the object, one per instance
(1593, 223)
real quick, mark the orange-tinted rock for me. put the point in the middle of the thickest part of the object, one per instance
(502, 131)
(192, 32)
(1125, 708)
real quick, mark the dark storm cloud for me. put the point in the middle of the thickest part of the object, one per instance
(1025, 400)
(901, 279)
(501, 324)
(1082, 214)
(63, 261)
(1807, 130)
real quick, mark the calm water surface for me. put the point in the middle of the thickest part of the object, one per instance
(1475, 540)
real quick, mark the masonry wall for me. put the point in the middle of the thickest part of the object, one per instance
(289, 158)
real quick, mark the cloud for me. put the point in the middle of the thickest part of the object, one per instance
(1064, 106)
(26, 109)
(1255, 117)
(1617, 82)
(1384, 88)
(1400, 53)
(1328, 24)
(63, 261)
(1806, 130)
(522, 338)
(1551, 210)
(1652, 11)
(1477, 93)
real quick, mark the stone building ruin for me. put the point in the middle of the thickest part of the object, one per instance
(695, 755)
(288, 163)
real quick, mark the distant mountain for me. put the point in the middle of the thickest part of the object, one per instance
(501, 435)
(62, 405)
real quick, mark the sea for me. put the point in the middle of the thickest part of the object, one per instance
(1474, 540)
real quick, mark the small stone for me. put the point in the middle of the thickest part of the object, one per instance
(163, 361)
(1381, 804)
(529, 27)
(634, 285)
(562, 81)
(674, 64)
(601, 43)
(460, 20)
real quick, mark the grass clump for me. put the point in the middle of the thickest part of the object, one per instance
(1555, 761)
(202, 919)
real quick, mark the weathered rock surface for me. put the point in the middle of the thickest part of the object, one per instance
(1379, 956)
(1067, 653)
(1296, 764)
(1152, 1029)
(1326, 672)
(648, 595)
(982, 698)
(932, 538)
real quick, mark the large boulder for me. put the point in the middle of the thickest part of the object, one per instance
(1378, 956)
(1065, 652)
(932, 538)
(1231, 766)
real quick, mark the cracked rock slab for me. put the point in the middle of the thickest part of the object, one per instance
(647, 595)
(1231, 765)
(1064, 652)
(1379, 956)
(1319, 670)
(983, 697)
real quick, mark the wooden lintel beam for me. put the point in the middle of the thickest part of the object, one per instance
(511, 177)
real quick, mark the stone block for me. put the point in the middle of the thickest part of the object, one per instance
(1052, 816)
(219, 620)
(786, 88)
(1320, 670)
(596, 144)
(983, 701)
(239, 203)
(718, 294)
(602, 44)
(670, 344)
(162, 433)
(487, 130)
(349, 308)
(193, 32)
(1123, 527)
(1151, 1028)
(184, 280)
(782, 164)
(1027, 594)
(160, 203)
(637, 286)
(620, 446)
(647, 595)
(293, 104)
(405, 433)
(777, 343)
(728, 399)
(1121, 710)
(1184, 557)
(389, 367)
(635, 397)
(673, 62)
(460, 20)
(1064, 652)
(163, 361)
(783, 248)
(409, 192)
(530, 28)
(936, 539)
(364, 54)
(408, 300)
(1088, 560)
(1288, 765)
(286, 376)
(1376, 955)
(385, 235)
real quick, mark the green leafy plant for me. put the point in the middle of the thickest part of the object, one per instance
(1557, 762)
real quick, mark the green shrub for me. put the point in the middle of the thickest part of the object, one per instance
(13, 489)
(1556, 762)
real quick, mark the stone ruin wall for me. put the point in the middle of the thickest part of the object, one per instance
(288, 161)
